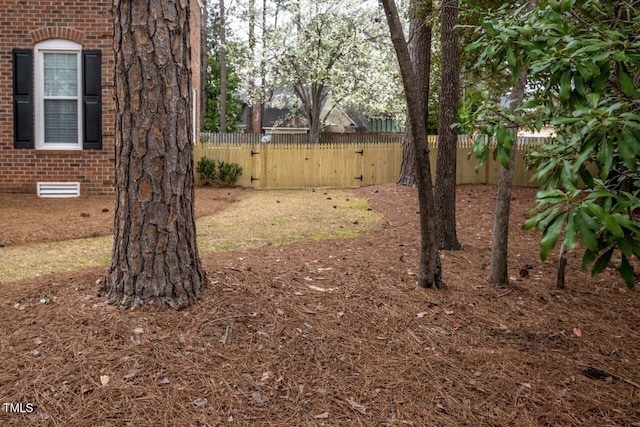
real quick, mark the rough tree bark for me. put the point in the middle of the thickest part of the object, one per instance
(430, 270)
(155, 257)
(420, 52)
(223, 71)
(445, 188)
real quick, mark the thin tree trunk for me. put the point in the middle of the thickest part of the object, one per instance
(248, 119)
(408, 168)
(420, 53)
(430, 270)
(223, 71)
(155, 257)
(498, 273)
(498, 268)
(204, 58)
(314, 121)
(445, 188)
(252, 105)
(562, 266)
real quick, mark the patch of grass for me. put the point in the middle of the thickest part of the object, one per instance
(262, 218)
(37, 259)
(279, 217)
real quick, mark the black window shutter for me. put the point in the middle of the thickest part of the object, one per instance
(22, 98)
(92, 99)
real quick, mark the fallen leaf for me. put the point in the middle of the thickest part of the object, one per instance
(104, 379)
(448, 312)
(577, 332)
(265, 376)
(421, 314)
(200, 402)
(130, 375)
(357, 407)
(138, 331)
(322, 416)
(457, 326)
(257, 397)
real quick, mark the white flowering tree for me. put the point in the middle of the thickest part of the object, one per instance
(336, 49)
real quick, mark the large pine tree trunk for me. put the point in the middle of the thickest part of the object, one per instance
(445, 189)
(155, 257)
(430, 270)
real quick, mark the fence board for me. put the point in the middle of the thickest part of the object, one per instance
(287, 162)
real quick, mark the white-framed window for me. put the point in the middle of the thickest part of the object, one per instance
(58, 97)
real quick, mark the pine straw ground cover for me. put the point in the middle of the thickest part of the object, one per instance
(335, 333)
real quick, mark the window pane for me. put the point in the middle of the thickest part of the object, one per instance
(60, 74)
(60, 121)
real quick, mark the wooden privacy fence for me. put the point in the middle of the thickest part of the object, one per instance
(342, 164)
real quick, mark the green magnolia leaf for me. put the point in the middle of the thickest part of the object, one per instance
(588, 258)
(612, 226)
(550, 235)
(570, 233)
(586, 176)
(584, 72)
(552, 197)
(565, 86)
(596, 210)
(538, 125)
(608, 220)
(629, 149)
(579, 84)
(567, 177)
(501, 134)
(626, 83)
(503, 156)
(626, 245)
(528, 224)
(605, 157)
(626, 271)
(587, 235)
(602, 262)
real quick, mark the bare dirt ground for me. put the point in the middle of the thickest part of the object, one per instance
(332, 332)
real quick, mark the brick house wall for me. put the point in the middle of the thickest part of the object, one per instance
(24, 24)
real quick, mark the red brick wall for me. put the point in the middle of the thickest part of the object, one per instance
(88, 22)
(22, 24)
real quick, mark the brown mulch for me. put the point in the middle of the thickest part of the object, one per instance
(27, 218)
(334, 333)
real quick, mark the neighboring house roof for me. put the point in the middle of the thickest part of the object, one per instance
(282, 117)
(360, 122)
